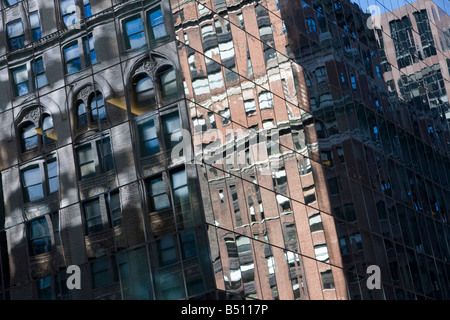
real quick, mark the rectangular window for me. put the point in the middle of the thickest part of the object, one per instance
(93, 216)
(167, 251)
(115, 210)
(148, 138)
(180, 191)
(168, 80)
(87, 8)
(32, 184)
(89, 50)
(72, 58)
(68, 12)
(9, 3)
(134, 31)
(45, 288)
(86, 162)
(265, 100)
(157, 194)
(55, 224)
(104, 272)
(315, 222)
(327, 279)
(321, 252)
(35, 26)
(171, 130)
(39, 73)
(16, 35)
(39, 236)
(106, 158)
(20, 77)
(52, 176)
(157, 29)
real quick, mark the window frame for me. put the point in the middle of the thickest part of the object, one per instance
(78, 57)
(38, 73)
(34, 28)
(127, 35)
(105, 212)
(97, 157)
(44, 179)
(153, 39)
(89, 53)
(14, 72)
(9, 38)
(25, 127)
(48, 236)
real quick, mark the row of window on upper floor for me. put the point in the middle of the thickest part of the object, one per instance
(133, 28)
(80, 54)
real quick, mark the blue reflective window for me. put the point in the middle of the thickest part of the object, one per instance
(39, 233)
(35, 26)
(87, 8)
(135, 36)
(16, 35)
(69, 12)
(148, 138)
(156, 23)
(20, 77)
(39, 73)
(72, 58)
(52, 176)
(32, 184)
(29, 137)
(98, 108)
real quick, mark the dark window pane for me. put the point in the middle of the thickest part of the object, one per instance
(93, 216)
(86, 161)
(159, 198)
(40, 240)
(29, 137)
(149, 141)
(52, 176)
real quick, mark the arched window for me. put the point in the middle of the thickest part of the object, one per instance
(169, 87)
(145, 95)
(29, 137)
(82, 115)
(48, 132)
(98, 109)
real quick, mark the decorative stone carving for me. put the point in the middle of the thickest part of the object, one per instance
(85, 93)
(148, 67)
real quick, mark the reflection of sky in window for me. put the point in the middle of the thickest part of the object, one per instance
(391, 5)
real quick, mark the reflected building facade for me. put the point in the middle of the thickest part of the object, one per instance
(300, 164)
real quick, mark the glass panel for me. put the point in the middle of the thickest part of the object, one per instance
(40, 236)
(34, 20)
(100, 273)
(167, 251)
(134, 30)
(157, 24)
(87, 9)
(85, 154)
(159, 196)
(172, 127)
(32, 177)
(145, 92)
(47, 128)
(93, 216)
(169, 84)
(148, 138)
(29, 137)
(15, 29)
(71, 52)
(52, 175)
(45, 288)
(20, 74)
